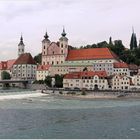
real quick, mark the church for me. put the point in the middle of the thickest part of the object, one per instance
(54, 52)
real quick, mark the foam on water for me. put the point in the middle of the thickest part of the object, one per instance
(21, 96)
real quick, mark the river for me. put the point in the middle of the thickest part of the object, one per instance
(52, 117)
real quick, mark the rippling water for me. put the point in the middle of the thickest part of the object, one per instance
(51, 117)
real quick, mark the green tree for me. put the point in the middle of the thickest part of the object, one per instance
(38, 58)
(48, 81)
(58, 81)
(5, 75)
(110, 41)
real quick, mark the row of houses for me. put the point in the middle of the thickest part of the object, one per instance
(99, 80)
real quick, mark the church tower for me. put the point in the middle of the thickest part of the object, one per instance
(21, 46)
(63, 43)
(133, 42)
(45, 44)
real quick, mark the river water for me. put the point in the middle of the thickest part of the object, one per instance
(52, 117)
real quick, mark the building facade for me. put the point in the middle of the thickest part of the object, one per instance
(86, 80)
(121, 68)
(95, 59)
(120, 82)
(24, 67)
(54, 53)
(42, 72)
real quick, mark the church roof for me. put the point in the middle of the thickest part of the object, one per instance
(25, 58)
(90, 54)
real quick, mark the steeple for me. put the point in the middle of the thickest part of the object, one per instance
(21, 46)
(21, 41)
(46, 35)
(63, 33)
(133, 42)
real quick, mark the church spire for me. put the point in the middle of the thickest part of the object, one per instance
(133, 42)
(46, 35)
(21, 41)
(63, 33)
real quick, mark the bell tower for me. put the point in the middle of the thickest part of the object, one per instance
(21, 46)
(63, 43)
(45, 44)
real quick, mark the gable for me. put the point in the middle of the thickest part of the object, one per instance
(53, 49)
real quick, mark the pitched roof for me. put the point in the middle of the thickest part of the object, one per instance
(7, 65)
(10, 63)
(89, 54)
(120, 65)
(79, 75)
(25, 58)
(43, 67)
(133, 67)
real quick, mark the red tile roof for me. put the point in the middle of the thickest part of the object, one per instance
(10, 63)
(6, 65)
(25, 58)
(121, 65)
(79, 75)
(89, 54)
(43, 67)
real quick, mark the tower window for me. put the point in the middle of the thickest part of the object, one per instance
(53, 52)
(62, 51)
(52, 62)
(61, 45)
(44, 47)
(44, 52)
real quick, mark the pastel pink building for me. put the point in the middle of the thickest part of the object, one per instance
(54, 52)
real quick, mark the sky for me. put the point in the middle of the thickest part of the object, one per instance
(85, 21)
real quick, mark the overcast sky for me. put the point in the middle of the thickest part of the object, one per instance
(86, 22)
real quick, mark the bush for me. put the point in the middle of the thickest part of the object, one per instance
(83, 93)
(60, 92)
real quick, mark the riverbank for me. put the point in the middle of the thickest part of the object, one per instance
(93, 95)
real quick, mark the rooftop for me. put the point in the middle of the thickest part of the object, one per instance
(43, 67)
(121, 65)
(79, 75)
(25, 58)
(89, 54)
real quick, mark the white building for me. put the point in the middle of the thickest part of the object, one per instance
(42, 72)
(24, 67)
(120, 82)
(86, 80)
(121, 68)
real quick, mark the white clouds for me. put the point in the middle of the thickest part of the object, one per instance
(86, 21)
